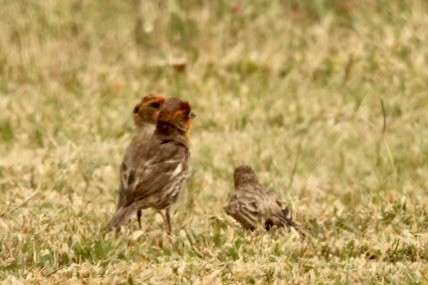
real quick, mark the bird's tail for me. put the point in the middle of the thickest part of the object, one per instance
(122, 215)
(286, 219)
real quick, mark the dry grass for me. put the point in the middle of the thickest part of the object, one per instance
(266, 79)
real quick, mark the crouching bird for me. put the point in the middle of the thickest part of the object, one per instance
(164, 166)
(253, 205)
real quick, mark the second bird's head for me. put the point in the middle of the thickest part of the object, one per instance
(176, 113)
(244, 174)
(147, 111)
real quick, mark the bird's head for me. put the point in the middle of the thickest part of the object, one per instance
(244, 174)
(176, 113)
(147, 111)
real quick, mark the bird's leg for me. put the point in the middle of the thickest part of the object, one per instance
(139, 218)
(167, 219)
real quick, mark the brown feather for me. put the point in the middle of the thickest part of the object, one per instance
(163, 166)
(253, 205)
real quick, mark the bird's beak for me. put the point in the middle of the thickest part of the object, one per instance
(192, 115)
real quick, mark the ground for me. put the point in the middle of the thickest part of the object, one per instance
(326, 99)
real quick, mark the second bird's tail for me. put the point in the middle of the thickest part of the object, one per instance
(122, 215)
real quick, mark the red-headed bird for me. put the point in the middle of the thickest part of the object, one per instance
(164, 166)
(145, 115)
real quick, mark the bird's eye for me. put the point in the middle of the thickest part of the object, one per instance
(155, 105)
(189, 114)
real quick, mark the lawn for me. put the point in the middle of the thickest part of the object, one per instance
(328, 100)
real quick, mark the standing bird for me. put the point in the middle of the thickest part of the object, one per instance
(145, 115)
(252, 205)
(164, 166)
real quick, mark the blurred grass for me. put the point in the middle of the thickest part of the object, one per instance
(265, 79)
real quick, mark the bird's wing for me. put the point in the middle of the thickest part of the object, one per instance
(127, 178)
(244, 209)
(130, 162)
(276, 213)
(162, 164)
(122, 189)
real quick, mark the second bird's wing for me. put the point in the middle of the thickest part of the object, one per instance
(127, 176)
(275, 212)
(162, 165)
(244, 209)
(160, 168)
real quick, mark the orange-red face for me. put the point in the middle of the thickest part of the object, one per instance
(148, 110)
(177, 113)
(185, 114)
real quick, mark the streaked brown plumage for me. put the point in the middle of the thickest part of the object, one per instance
(253, 205)
(145, 115)
(164, 167)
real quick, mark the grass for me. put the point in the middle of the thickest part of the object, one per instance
(326, 99)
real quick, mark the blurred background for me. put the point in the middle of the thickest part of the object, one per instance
(327, 99)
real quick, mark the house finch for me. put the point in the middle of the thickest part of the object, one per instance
(251, 204)
(164, 166)
(145, 115)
